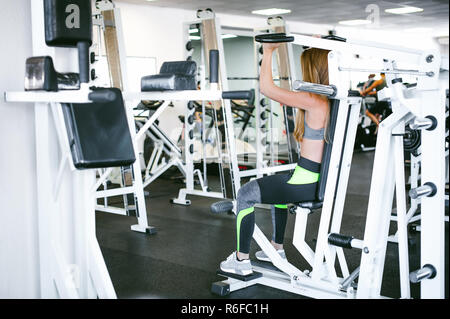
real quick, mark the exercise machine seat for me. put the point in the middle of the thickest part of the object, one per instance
(173, 76)
(99, 135)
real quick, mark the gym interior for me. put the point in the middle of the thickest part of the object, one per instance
(146, 147)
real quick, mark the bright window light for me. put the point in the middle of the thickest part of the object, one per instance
(403, 10)
(355, 22)
(271, 11)
(193, 30)
(228, 36)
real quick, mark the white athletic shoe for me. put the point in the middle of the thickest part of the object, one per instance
(232, 265)
(260, 255)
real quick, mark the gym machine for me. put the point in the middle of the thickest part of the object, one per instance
(73, 140)
(423, 108)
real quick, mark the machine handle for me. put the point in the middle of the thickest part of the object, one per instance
(102, 96)
(273, 38)
(328, 90)
(238, 95)
(214, 66)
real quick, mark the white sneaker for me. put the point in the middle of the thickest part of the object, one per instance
(232, 265)
(260, 255)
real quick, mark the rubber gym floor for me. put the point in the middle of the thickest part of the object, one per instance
(181, 259)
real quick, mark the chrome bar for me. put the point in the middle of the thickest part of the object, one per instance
(327, 90)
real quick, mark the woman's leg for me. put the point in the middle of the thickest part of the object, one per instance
(279, 219)
(247, 197)
(238, 262)
(274, 189)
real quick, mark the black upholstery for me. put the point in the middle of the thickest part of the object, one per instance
(99, 135)
(334, 109)
(173, 76)
(179, 67)
(59, 14)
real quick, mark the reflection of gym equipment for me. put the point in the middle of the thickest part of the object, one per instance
(160, 152)
(387, 179)
(220, 111)
(366, 131)
(72, 128)
(270, 141)
(107, 19)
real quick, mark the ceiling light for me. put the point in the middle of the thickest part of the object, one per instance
(194, 37)
(403, 10)
(228, 36)
(272, 11)
(193, 30)
(355, 22)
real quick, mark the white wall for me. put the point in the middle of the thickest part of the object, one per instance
(18, 236)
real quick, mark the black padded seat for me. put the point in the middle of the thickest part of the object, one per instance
(173, 76)
(316, 204)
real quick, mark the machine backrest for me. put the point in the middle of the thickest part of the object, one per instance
(179, 67)
(99, 135)
(334, 109)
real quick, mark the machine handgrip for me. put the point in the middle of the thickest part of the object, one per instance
(102, 96)
(214, 66)
(273, 38)
(238, 95)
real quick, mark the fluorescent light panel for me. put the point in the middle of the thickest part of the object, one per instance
(403, 10)
(355, 22)
(271, 11)
(228, 36)
(193, 30)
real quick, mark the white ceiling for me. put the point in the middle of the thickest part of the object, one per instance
(330, 12)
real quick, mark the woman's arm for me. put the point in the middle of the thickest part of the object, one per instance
(303, 100)
(372, 117)
(370, 88)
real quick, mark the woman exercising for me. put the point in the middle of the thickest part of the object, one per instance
(310, 132)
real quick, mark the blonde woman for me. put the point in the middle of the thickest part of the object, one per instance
(281, 189)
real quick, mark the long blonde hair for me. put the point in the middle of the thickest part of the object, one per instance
(315, 70)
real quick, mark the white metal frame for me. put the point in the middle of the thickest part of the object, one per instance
(137, 187)
(388, 176)
(71, 264)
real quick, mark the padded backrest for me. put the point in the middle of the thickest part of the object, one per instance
(334, 108)
(179, 67)
(99, 135)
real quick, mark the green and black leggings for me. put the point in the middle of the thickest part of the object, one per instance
(279, 190)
